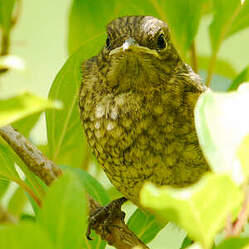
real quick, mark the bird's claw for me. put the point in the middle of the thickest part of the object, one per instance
(104, 216)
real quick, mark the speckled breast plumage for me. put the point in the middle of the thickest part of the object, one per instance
(140, 137)
(138, 113)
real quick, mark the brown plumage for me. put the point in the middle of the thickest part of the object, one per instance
(136, 101)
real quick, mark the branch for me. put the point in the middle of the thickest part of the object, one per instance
(41, 166)
(119, 235)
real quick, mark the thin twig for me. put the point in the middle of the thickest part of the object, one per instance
(119, 236)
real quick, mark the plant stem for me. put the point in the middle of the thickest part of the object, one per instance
(5, 44)
(193, 55)
(211, 68)
(17, 13)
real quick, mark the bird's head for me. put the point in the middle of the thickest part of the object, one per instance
(138, 52)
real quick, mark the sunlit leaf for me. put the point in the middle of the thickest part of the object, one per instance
(24, 236)
(144, 225)
(18, 107)
(201, 209)
(65, 133)
(63, 214)
(222, 123)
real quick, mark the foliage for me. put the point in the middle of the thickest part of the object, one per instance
(58, 216)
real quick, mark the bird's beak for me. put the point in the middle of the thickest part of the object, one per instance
(129, 42)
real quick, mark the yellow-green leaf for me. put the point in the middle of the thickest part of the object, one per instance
(20, 106)
(201, 209)
(222, 122)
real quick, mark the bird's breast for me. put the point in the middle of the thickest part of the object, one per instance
(138, 138)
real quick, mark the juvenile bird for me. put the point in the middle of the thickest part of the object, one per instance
(137, 102)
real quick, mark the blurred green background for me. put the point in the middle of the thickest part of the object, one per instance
(40, 39)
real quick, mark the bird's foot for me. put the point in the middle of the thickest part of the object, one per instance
(103, 217)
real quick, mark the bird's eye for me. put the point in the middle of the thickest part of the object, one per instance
(108, 42)
(161, 43)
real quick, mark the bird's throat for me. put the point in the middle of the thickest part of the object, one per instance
(134, 71)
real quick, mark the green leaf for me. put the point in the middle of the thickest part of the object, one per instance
(21, 106)
(222, 123)
(242, 77)
(234, 243)
(32, 182)
(228, 19)
(24, 236)
(186, 242)
(87, 21)
(7, 167)
(63, 214)
(91, 185)
(65, 133)
(6, 8)
(17, 202)
(94, 189)
(4, 184)
(241, 20)
(144, 225)
(25, 125)
(199, 210)
(222, 67)
(183, 17)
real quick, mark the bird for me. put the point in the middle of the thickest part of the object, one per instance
(137, 100)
